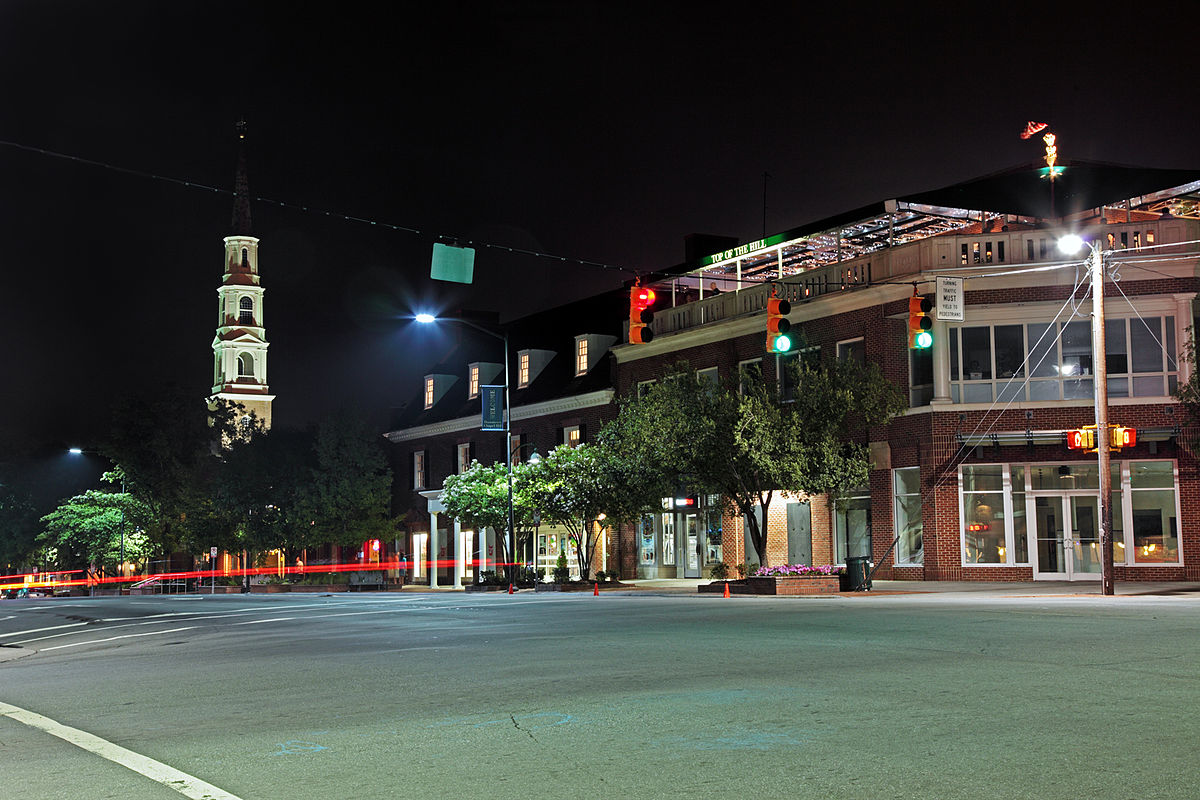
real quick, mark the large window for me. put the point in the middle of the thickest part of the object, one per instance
(245, 311)
(418, 461)
(1155, 531)
(906, 485)
(1046, 361)
(999, 499)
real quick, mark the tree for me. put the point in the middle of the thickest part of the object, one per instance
(165, 441)
(96, 527)
(18, 527)
(478, 496)
(579, 488)
(745, 442)
(350, 496)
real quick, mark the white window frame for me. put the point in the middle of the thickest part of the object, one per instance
(903, 557)
(710, 374)
(472, 381)
(463, 457)
(523, 370)
(570, 431)
(742, 366)
(419, 467)
(581, 356)
(838, 348)
(429, 392)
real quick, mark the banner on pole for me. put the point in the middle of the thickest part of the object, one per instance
(493, 408)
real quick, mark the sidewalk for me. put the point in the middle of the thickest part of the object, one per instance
(995, 588)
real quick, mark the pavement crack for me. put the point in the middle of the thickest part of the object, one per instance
(518, 727)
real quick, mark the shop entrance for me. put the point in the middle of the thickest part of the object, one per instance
(691, 545)
(1066, 528)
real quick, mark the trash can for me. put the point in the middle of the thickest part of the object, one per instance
(857, 577)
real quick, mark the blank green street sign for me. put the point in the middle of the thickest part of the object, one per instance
(450, 263)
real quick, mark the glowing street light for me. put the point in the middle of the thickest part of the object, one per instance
(426, 319)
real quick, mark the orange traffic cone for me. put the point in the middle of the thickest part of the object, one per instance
(726, 589)
(510, 589)
(595, 590)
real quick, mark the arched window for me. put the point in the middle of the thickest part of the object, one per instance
(245, 366)
(245, 258)
(246, 311)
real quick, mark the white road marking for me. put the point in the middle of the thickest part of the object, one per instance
(261, 621)
(114, 638)
(186, 785)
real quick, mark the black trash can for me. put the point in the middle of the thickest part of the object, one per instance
(857, 577)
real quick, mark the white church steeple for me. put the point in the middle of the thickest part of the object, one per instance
(240, 346)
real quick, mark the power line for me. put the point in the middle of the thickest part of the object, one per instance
(187, 184)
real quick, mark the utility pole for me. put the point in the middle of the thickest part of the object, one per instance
(1100, 371)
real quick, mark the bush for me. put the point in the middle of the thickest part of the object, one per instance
(719, 570)
(601, 576)
(562, 573)
(492, 578)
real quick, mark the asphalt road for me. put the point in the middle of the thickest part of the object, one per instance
(631, 696)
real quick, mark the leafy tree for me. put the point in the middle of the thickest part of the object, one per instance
(478, 496)
(747, 443)
(88, 528)
(576, 488)
(262, 493)
(18, 527)
(350, 497)
(165, 441)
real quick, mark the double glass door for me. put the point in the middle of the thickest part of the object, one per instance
(1067, 530)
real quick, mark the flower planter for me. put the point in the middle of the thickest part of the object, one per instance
(573, 586)
(786, 586)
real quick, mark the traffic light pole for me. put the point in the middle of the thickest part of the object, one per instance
(1100, 373)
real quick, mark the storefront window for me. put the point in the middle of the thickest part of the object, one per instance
(1020, 537)
(1155, 525)
(668, 540)
(907, 488)
(852, 522)
(647, 540)
(712, 529)
(985, 539)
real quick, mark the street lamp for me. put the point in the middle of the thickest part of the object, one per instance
(1072, 243)
(426, 319)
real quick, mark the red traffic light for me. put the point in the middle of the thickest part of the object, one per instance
(1120, 437)
(640, 315)
(1081, 439)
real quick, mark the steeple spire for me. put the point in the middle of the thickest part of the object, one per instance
(241, 188)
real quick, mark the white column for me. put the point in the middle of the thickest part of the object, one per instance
(941, 363)
(460, 556)
(1183, 321)
(433, 549)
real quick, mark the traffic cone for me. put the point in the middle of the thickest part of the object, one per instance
(595, 590)
(510, 589)
(726, 589)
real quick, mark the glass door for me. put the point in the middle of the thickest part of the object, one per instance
(1067, 529)
(692, 543)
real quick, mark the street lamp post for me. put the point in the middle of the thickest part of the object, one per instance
(1071, 244)
(503, 337)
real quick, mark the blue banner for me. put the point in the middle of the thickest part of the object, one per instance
(493, 407)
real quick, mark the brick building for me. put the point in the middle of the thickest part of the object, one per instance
(561, 370)
(973, 481)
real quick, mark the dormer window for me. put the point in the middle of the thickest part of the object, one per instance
(523, 370)
(581, 356)
(434, 388)
(246, 311)
(473, 382)
(429, 391)
(589, 349)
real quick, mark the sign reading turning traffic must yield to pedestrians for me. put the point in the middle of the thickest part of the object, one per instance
(949, 304)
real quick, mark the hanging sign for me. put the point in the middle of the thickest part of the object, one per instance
(949, 304)
(493, 408)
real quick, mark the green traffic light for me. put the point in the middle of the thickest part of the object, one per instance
(783, 343)
(924, 340)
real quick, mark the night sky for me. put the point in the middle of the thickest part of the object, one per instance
(569, 128)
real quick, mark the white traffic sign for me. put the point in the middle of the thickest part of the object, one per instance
(949, 305)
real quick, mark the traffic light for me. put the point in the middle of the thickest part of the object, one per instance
(919, 323)
(1120, 437)
(1082, 438)
(640, 315)
(778, 326)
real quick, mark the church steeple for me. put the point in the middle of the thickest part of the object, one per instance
(241, 188)
(240, 344)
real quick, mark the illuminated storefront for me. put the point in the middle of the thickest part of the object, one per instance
(682, 539)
